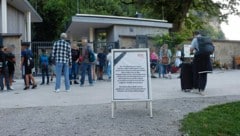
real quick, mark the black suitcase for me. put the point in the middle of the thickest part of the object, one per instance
(186, 76)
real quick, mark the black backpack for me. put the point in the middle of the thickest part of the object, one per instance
(30, 60)
(205, 46)
(2, 61)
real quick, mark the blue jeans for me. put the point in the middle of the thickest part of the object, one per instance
(59, 68)
(109, 70)
(45, 72)
(86, 67)
(73, 71)
(162, 70)
(1, 81)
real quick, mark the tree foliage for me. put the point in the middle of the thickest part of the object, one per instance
(186, 15)
(177, 11)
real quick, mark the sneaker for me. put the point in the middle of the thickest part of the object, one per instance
(165, 76)
(5, 88)
(193, 90)
(81, 85)
(42, 84)
(34, 86)
(26, 88)
(57, 91)
(75, 82)
(153, 76)
(91, 84)
(11, 87)
(202, 93)
(68, 90)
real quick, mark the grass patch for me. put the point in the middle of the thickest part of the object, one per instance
(219, 120)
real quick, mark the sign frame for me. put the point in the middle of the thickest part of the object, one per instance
(131, 78)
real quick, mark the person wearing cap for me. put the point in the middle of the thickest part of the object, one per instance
(27, 70)
(62, 55)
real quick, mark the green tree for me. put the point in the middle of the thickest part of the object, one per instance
(177, 11)
(184, 14)
(54, 14)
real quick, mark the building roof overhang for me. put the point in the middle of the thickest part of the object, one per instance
(81, 23)
(24, 6)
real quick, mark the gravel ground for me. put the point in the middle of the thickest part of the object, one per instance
(131, 119)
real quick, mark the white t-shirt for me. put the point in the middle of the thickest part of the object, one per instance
(178, 60)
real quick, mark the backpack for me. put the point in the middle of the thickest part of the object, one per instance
(30, 61)
(205, 46)
(91, 56)
(44, 61)
(2, 61)
(165, 59)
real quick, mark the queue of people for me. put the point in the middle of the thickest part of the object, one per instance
(65, 59)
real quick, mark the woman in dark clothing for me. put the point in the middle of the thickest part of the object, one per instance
(201, 65)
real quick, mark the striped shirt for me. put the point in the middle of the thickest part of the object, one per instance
(61, 52)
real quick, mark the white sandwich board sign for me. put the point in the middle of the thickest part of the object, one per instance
(131, 80)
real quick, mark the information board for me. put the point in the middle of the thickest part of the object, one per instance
(131, 74)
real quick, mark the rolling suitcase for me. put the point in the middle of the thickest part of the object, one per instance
(186, 76)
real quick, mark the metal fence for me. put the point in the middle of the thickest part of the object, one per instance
(37, 47)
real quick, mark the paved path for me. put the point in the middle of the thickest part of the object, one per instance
(220, 83)
(87, 111)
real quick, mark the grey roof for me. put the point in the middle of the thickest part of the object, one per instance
(82, 22)
(25, 6)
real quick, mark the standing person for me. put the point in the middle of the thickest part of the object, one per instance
(51, 66)
(201, 64)
(178, 56)
(153, 62)
(101, 57)
(6, 82)
(109, 61)
(26, 56)
(94, 68)
(86, 64)
(11, 60)
(93, 65)
(62, 55)
(164, 58)
(75, 58)
(2, 66)
(44, 65)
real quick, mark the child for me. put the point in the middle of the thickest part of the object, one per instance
(43, 61)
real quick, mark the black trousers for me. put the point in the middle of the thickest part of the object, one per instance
(201, 66)
(199, 80)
